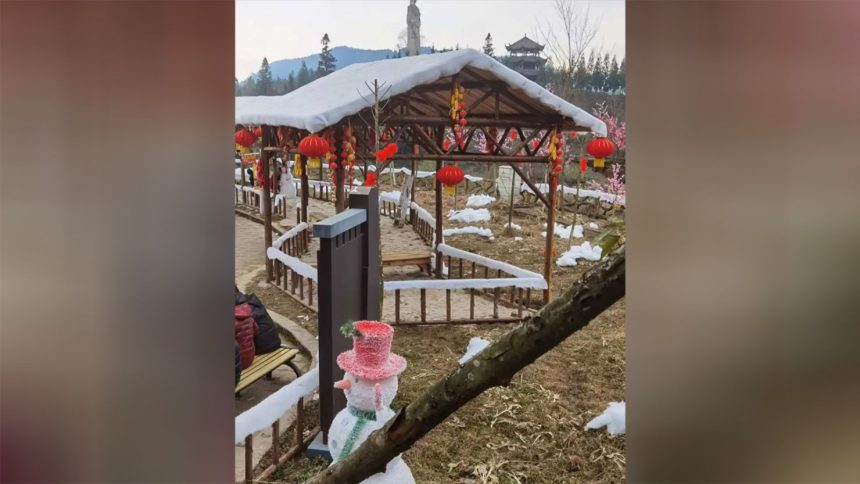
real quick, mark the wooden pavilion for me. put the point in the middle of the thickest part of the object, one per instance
(412, 104)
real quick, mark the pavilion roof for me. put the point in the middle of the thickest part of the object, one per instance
(525, 44)
(327, 100)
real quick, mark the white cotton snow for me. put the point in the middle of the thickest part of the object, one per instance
(329, 99)
(564, 232)
(261, 415)
(593, 226)
(613, 418)
(470, 215)
(513, 226)
(479, 200)
(469, 230)
(476, 345)
(584, 251)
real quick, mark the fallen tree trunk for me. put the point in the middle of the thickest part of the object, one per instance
(598, 289)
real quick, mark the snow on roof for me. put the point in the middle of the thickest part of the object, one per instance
(327, 100)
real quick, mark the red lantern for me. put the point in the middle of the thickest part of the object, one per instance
(245, 138)
(513, 135)
(600, 148)
(450, 176)
(313, 146)
(258, 131)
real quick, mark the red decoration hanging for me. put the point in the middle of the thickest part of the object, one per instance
(600, 148)
(370, 180)
(244, 138)
(258, 131)
(450, 175)
(583, 164)
(446, 145)
(313, 146)
(513, 135)
(387, 152)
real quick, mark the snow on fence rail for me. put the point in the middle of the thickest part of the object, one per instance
(268, 413)
(505, 283)
(291, 273)
(272, 407)
(602, 196)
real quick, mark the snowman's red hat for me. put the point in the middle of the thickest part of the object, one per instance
(371, 356)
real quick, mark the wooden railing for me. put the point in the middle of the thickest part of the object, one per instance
(290, 273)
(255, 419)
(505, 285)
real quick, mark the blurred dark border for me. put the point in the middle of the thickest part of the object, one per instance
(117, 241)
(742, 317)
(116, 254)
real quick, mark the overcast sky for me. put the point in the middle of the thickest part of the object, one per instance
(280, 29)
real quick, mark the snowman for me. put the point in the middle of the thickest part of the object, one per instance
(370, 384)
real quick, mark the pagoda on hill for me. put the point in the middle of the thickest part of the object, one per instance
(524, 57)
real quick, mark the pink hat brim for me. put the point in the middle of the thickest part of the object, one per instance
(394, 366)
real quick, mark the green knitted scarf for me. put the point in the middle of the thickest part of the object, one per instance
(363, 416)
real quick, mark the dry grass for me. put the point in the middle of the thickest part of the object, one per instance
(531, 431)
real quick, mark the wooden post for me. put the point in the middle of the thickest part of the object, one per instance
(550, 240)
(267, 201)
(367, 198)
(440, 134)
(414, 168)
(305, 187)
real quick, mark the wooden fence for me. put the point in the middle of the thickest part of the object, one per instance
(290, 273)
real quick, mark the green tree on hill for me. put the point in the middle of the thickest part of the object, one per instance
(488, 45)
(304, 76)
(327, 61)
(264, 79)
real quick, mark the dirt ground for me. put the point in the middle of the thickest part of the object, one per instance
(531, 431)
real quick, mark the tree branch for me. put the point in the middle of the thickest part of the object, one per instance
(598, 289)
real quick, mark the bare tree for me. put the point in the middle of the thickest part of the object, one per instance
(568, 33)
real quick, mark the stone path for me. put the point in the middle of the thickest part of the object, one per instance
(248, 251)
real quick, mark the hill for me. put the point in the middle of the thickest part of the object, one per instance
(344, 56)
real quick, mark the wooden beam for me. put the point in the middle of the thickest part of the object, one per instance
(440, 108)
(480, 100)
(424, 139)
(470, 157)
(529, 183)
(503, 121)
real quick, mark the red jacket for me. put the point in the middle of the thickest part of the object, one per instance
(245, 328)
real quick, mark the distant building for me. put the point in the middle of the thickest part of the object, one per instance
(524, 57)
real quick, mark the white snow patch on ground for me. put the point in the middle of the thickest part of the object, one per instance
(514, 226)
(584, 251)
(613, 418)
(593, 225)
(518, 238)
(564, 232)
(479, 200)
(469, 230)
(470, 215)
(476, 345)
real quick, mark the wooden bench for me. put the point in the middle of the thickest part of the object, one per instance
(265, 364)
(420, 259)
